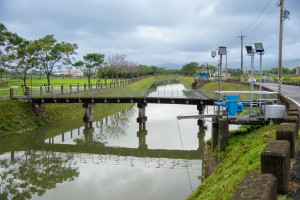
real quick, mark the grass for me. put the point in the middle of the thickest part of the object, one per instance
(187, 81)
(242, 156)
(209, 88)
(17, 117)
(37, 82)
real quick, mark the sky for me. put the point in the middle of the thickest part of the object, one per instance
(154, 32)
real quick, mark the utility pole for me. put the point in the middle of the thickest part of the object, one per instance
(226, 65)
(242, 36)
(280, 48)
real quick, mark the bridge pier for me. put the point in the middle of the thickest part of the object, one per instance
(142, 118)
(88, 117)
(220, 133)
(88, 133)
(39, 110)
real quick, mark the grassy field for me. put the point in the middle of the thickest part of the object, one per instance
(66, 81)
(17, 117)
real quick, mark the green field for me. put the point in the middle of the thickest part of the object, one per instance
(57, 81)
(18, 90)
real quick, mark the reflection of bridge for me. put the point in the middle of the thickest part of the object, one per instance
(121, 151)
(91, 145)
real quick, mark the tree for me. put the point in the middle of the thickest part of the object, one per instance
(190, 68)
(91, 64)
(25, 59)
(8, 43)
(52, 54)
(116, 64)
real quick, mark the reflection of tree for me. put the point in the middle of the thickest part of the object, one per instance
(155, 85)
(192, 94)
(115, 126)
(34, 173)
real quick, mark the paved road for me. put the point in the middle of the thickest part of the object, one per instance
(290, 91)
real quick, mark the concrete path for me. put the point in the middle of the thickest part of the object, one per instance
(290, 91)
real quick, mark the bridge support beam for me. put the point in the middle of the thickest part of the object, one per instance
(141, 134)
(88, 117)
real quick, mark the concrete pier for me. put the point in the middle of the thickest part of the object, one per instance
(142, 133)
(88, 117)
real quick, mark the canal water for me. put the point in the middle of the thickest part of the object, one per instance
(113, 159)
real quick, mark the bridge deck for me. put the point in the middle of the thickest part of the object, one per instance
(164, 100)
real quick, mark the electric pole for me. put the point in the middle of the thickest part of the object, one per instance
(280, 48)
(242, 36)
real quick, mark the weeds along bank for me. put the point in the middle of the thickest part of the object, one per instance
(242, 155)
(17, 116)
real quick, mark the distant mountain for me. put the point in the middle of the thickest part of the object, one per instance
(286, 63)
(267, 65)
(170, 65)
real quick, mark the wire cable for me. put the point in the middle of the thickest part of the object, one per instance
(187, 168)
(249, 27)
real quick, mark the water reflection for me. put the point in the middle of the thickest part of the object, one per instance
(30, 172)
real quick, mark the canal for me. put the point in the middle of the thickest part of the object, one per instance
(113, 159)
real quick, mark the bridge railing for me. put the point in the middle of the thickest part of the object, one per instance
(55, 90)
(117, 92)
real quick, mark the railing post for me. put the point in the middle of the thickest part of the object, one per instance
(110, 84)
(78, 87)
(96, 85)
(114, 83)
(105, 83)
(84, 87)
(51, 88)
(62, 89)
(71, 88)
(11, 93)
(41, 91)
(101, 85)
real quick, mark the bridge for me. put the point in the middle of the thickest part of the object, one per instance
(112, 93)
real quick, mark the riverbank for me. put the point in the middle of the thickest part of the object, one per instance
(18, 117)
(209, 88)
(242, 156)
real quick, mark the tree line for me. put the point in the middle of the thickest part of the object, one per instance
(20, 56)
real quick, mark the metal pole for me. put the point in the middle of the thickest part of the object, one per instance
(242, 36)
(220, 73)
(280, 48)
(226, 65)
(260, 77)
(251, 78)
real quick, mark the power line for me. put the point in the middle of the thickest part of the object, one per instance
(263, 22)
(249, 27)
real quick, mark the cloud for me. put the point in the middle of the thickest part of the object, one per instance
(153, 32)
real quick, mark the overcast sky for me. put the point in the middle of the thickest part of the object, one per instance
(153, 32)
